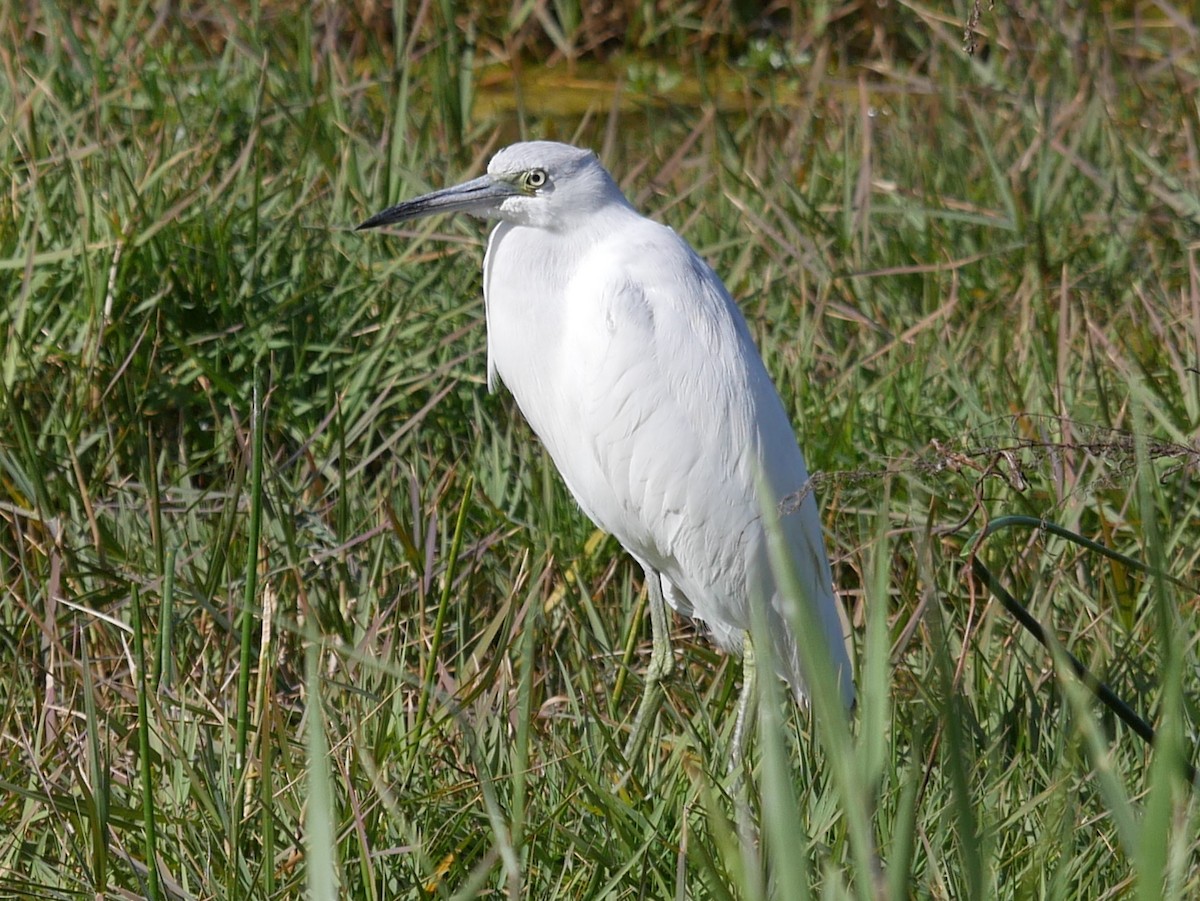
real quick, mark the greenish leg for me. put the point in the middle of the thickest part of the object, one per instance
(746, 704)
(660, 666)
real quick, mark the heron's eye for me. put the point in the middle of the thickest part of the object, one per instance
(535, 178)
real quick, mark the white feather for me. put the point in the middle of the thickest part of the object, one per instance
(636, 370)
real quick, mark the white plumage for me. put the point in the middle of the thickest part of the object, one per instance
(636, 370)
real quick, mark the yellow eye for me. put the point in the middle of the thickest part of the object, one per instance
(535, 178)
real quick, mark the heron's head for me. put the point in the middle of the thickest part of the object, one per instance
(542, 184)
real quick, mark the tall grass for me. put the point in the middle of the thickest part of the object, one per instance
(974, 279)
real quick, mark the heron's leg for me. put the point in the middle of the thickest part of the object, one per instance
(746, 703)
(659, 668)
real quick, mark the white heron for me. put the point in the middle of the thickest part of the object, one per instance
(637, 371)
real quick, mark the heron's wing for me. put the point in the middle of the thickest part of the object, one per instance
(680, 421)
(656, 367)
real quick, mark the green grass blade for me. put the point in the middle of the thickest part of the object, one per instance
(145, 762)
(320, 818)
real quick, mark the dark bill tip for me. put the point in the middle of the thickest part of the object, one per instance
(389, 216)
